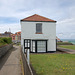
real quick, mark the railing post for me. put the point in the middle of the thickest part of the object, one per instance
(28, 57)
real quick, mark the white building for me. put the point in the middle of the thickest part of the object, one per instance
(38, 34)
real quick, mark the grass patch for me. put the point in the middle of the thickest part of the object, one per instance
(53, 64)
(68, 46)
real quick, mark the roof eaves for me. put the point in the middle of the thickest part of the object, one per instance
(37, 21)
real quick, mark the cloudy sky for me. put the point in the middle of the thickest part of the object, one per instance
(63, 11)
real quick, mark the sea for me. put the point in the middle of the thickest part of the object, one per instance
(69, 40)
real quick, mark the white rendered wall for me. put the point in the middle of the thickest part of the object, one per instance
(28, 31)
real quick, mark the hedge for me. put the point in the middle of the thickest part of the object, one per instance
(64, 43)
(6, 40)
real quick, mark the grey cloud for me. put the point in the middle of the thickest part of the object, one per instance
(63, 11)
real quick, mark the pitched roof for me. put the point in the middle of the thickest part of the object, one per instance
(58, 39)
(36, 17)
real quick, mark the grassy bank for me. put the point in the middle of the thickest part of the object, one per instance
(53, 64)
(68, 46)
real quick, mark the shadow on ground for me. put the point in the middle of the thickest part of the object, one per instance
(4, 58)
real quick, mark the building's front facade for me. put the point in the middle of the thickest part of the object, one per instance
(13, 37)
(38, 34)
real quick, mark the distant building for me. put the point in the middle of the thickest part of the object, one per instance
(13, 37)
(16, 37)
(5, 34)
(58, 40)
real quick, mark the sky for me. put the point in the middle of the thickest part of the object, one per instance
(63, 11)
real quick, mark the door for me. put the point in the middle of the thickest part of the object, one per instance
(27, 43)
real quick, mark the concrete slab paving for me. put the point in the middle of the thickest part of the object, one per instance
(10, 62)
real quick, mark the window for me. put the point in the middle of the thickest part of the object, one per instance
(33, 46)
(38, 28)
(27, 43)
(39, 46)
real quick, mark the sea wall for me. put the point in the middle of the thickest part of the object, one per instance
(4, 49)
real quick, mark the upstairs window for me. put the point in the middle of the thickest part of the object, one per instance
(38, 28)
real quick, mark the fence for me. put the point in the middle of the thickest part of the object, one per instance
(27, 68)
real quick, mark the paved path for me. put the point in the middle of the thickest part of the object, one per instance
(70, 51)
(10, 62)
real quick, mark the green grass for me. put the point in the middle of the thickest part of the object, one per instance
(68, 46)
(53, 64)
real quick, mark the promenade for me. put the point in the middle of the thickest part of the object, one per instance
(10, 62)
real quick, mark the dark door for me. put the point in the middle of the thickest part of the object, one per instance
(27, 44)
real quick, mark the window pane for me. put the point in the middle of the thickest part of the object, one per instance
(33, 46)
(25, 41)
(28, 44)
(25, 44)
(38, 28)
(41, 46)
(28, 40)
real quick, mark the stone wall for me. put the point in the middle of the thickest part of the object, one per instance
(4, 49)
